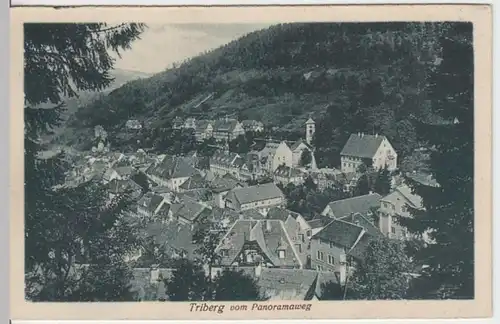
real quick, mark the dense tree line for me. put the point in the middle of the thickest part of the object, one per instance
(75, 238)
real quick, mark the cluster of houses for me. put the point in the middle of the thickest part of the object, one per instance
(290, 256)
(226, 129)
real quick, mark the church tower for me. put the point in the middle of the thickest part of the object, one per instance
(310, 129)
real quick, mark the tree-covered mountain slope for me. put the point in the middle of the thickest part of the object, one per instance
(350, 77)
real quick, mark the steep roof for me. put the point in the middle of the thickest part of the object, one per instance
(188, 209)
(362, 145)
(287, 284)
(310, 121)
(173, 236)
(172, 167)
(221, 184)
(341, 233)
(251, 122)
(281, 214)
(224, 158)
(319, 221)
(196, 181)
(288, 172)
(406, 192)
(254, 193)
(124, 170)
(225, 125)
(297, 143)
(150, 201)
(269, 235)
(362, 221)
(359, 204)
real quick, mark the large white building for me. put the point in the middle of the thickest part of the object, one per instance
(371, 150)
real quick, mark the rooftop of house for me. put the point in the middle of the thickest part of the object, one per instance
(406, 192)
(255, 193)
(150, 201)
(319, 221)
(201, 194)
(423, 178)
(221, 184)
(188, 209)
(287, 284)
(124, 170)
(288, 172)
(340, 233)
(225, 158)
(281, 214)
(270, 148)
(121, 186)
(364, 222)
(196, 181)
(172, 167)
(360, 204)
(297, 143)
(173, 236)
(269, 235)
(225, 125)
(362, 145)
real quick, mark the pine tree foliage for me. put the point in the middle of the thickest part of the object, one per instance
(448, 218)
(188, 282)
(61, 224)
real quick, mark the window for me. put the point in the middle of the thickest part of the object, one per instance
(393, 230)
(302, 238)
(224, 253)
(319, 268)
(404, 209)
(332, 245)
(298, 247)
(320, 256)
(281, 254)
(331, 259)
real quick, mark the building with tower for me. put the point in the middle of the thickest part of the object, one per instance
(310, 129)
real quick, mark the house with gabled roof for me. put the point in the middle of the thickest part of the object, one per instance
(253, 243)
(285, 175)
(275, 154)
(119, 187)
(196, 181)
(261, 197)
(297, 148)
(151, 205)
(371, 150)
(330, 246)
(398, 203)
(227, 129)
(293, 284)
(220, 186)
(225, 162)
(364, 205)
(188, 211)
(171, 172)
(204, 130)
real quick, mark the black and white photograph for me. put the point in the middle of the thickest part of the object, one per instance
(250, 162)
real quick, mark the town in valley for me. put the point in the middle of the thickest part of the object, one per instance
(222, 194)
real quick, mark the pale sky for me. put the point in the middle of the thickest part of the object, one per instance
(162, 45)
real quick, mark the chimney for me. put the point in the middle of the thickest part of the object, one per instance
(268, 225)
(359, 134)
(376, 135)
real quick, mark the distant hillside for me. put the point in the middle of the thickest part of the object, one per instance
(369, 76)
(85, 98)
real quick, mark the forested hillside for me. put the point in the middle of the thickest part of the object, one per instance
(350, 77)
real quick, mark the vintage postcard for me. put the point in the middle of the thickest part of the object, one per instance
(319, 162)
